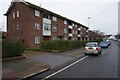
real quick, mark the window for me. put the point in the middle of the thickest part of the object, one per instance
(17, 13)
(76, 25)
(37, 13)
(13, 27)
(81, 33)
(73, 31)
(18, 27)
(54, 18)
(65, 30)
(73, 38)
(65, 22)
(72, 24)
(37, 26)
(76, 32)
(13, 15)
(37, 40)
(54, 38)
(65, 38)
(54, 29)
(47, 27)
(18, 38)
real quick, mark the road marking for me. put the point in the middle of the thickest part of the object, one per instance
(65, 68)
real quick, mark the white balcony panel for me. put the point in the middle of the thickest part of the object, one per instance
(46, 33)
(70, 27)
(79, 35)
(45, 20)
(79, 29)
(46, 27)
(70, 35)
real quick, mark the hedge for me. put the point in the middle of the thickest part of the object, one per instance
(11, 48)
(61, 44)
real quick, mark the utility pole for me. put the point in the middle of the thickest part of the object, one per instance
(88, 27)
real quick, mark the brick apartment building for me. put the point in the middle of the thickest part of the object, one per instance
(32, 24)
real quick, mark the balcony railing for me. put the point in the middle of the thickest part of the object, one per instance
(70, 35)
(70, 27)
(79, 29)
(79, 35)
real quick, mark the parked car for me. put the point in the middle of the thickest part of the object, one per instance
(92, 48)
(108, 42)
(104, 44)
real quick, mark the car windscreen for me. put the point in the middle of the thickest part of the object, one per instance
(91, 45)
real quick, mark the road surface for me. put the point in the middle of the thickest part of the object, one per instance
(104, 66)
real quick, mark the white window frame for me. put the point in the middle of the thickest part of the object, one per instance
(54, 18)
(76, 25)
(65, 22)
(80, 33)
(65, 30)
(76, 32)
(17, 27)
(54, 29)
(17, 13)
(47, 27)
(73, 31)
(13, 14)
(54, 38)
(65, 38)
(73, 24)
(37, 39)
(37, 26)
(37, 13)
(72, 38)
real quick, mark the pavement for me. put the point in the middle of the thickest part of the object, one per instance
(102, 67)
(22, 68)
(36, 62)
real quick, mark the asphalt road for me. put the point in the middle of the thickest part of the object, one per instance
(104, 66)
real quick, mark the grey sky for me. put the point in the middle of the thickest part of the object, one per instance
(103, 13)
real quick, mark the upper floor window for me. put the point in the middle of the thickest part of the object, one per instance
(13, 15)
(54, 38)
(81, 33)
(46, 27)
(65, 38)
(37, 26)
(37, 40)
(17, 13)
(65, 30)
(76, 25)
(54, 29)
(65, 22)
(37, 13)
(18, 27)
(76, 32)
(73, 31)
(72, 24)
(54, 18)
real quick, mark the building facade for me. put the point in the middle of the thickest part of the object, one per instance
(32, 24)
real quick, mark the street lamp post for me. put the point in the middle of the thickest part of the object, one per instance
(88, 27)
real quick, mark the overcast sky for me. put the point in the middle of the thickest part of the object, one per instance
(103, 13)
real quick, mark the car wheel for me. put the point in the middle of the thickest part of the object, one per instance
(85, 53)
(98, 54)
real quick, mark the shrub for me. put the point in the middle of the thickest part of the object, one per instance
(61, 44)
(10, 48)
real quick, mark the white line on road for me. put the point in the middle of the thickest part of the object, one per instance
(65, 68)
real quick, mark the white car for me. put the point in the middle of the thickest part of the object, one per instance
(92, 48)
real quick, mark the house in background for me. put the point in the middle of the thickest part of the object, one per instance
(32, 24)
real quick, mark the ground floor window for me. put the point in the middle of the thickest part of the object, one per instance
(37, 40)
